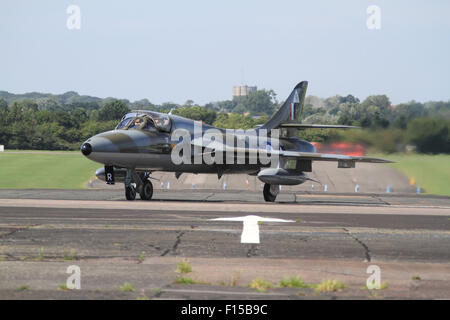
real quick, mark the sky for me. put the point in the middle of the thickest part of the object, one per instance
(199, 49)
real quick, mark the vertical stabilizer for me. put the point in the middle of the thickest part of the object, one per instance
(291, 110)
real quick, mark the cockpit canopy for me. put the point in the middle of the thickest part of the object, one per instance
(145, 120)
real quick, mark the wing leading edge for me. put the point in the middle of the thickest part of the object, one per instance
(215, 147)
(330, 157)
(304, 126)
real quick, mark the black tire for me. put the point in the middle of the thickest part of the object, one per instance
(268, 196)
(147, 191)
(130, 193)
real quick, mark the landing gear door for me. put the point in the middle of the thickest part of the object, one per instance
(109, 175)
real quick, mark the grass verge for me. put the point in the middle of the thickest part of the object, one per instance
(35, 170)
(430, 172)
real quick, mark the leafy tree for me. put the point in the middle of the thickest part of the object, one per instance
(380, 101)
(3, 105)
(260, 102)
(79, 115)
(188, 104)
(61, 122)
(25, 106)
(317, 135)
(237, 121)
(430, 135)
(405, 112)
(197, 113)
(314, 102)
(88, 106)
(113, 110)
(48, 104)
(333, 102)
(227, 105)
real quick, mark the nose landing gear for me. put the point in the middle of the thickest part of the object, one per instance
(143, 186)
(130, 193)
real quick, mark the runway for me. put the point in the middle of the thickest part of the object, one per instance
(332, 236)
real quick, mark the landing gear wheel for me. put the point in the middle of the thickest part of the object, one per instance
(270, 193)
(130, 193)
(147, 191)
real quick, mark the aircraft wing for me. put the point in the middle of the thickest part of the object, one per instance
(314, 156)
(330, 157)
(304, 126)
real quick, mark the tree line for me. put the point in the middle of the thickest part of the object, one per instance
(386, 127)
(62, 122)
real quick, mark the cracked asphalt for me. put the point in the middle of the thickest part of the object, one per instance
(334, 236)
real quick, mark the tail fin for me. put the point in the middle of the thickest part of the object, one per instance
(291, 110)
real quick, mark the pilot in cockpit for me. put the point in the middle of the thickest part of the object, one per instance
(145, 122)
(136, 123)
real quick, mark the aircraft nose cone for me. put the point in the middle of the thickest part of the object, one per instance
(86, 149)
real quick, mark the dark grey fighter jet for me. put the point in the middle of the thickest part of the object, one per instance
(144, 142)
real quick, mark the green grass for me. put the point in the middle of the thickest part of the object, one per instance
(70, 170)
(293, 282)
(430, 172)
(188, 281)
(127, 287)
(63, 287)
(41, 254)
(184, 267)
(142, 256)
(34, 170)
(235, 279)
(330, 286)
(261, 285)
(69, 255)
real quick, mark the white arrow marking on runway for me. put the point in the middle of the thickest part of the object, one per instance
(250, 232)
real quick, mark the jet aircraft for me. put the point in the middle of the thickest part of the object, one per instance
(143, 142)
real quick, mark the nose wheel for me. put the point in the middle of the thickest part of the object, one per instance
(130, 193)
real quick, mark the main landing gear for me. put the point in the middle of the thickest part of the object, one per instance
(270, 192)
(143, 186)
(147, 191)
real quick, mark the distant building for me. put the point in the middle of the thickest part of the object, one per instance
(2, 148)
(239, 91)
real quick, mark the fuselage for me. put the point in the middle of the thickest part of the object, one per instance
(149, 148)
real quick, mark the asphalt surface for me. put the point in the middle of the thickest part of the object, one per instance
(368, 177)
(333, 236)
